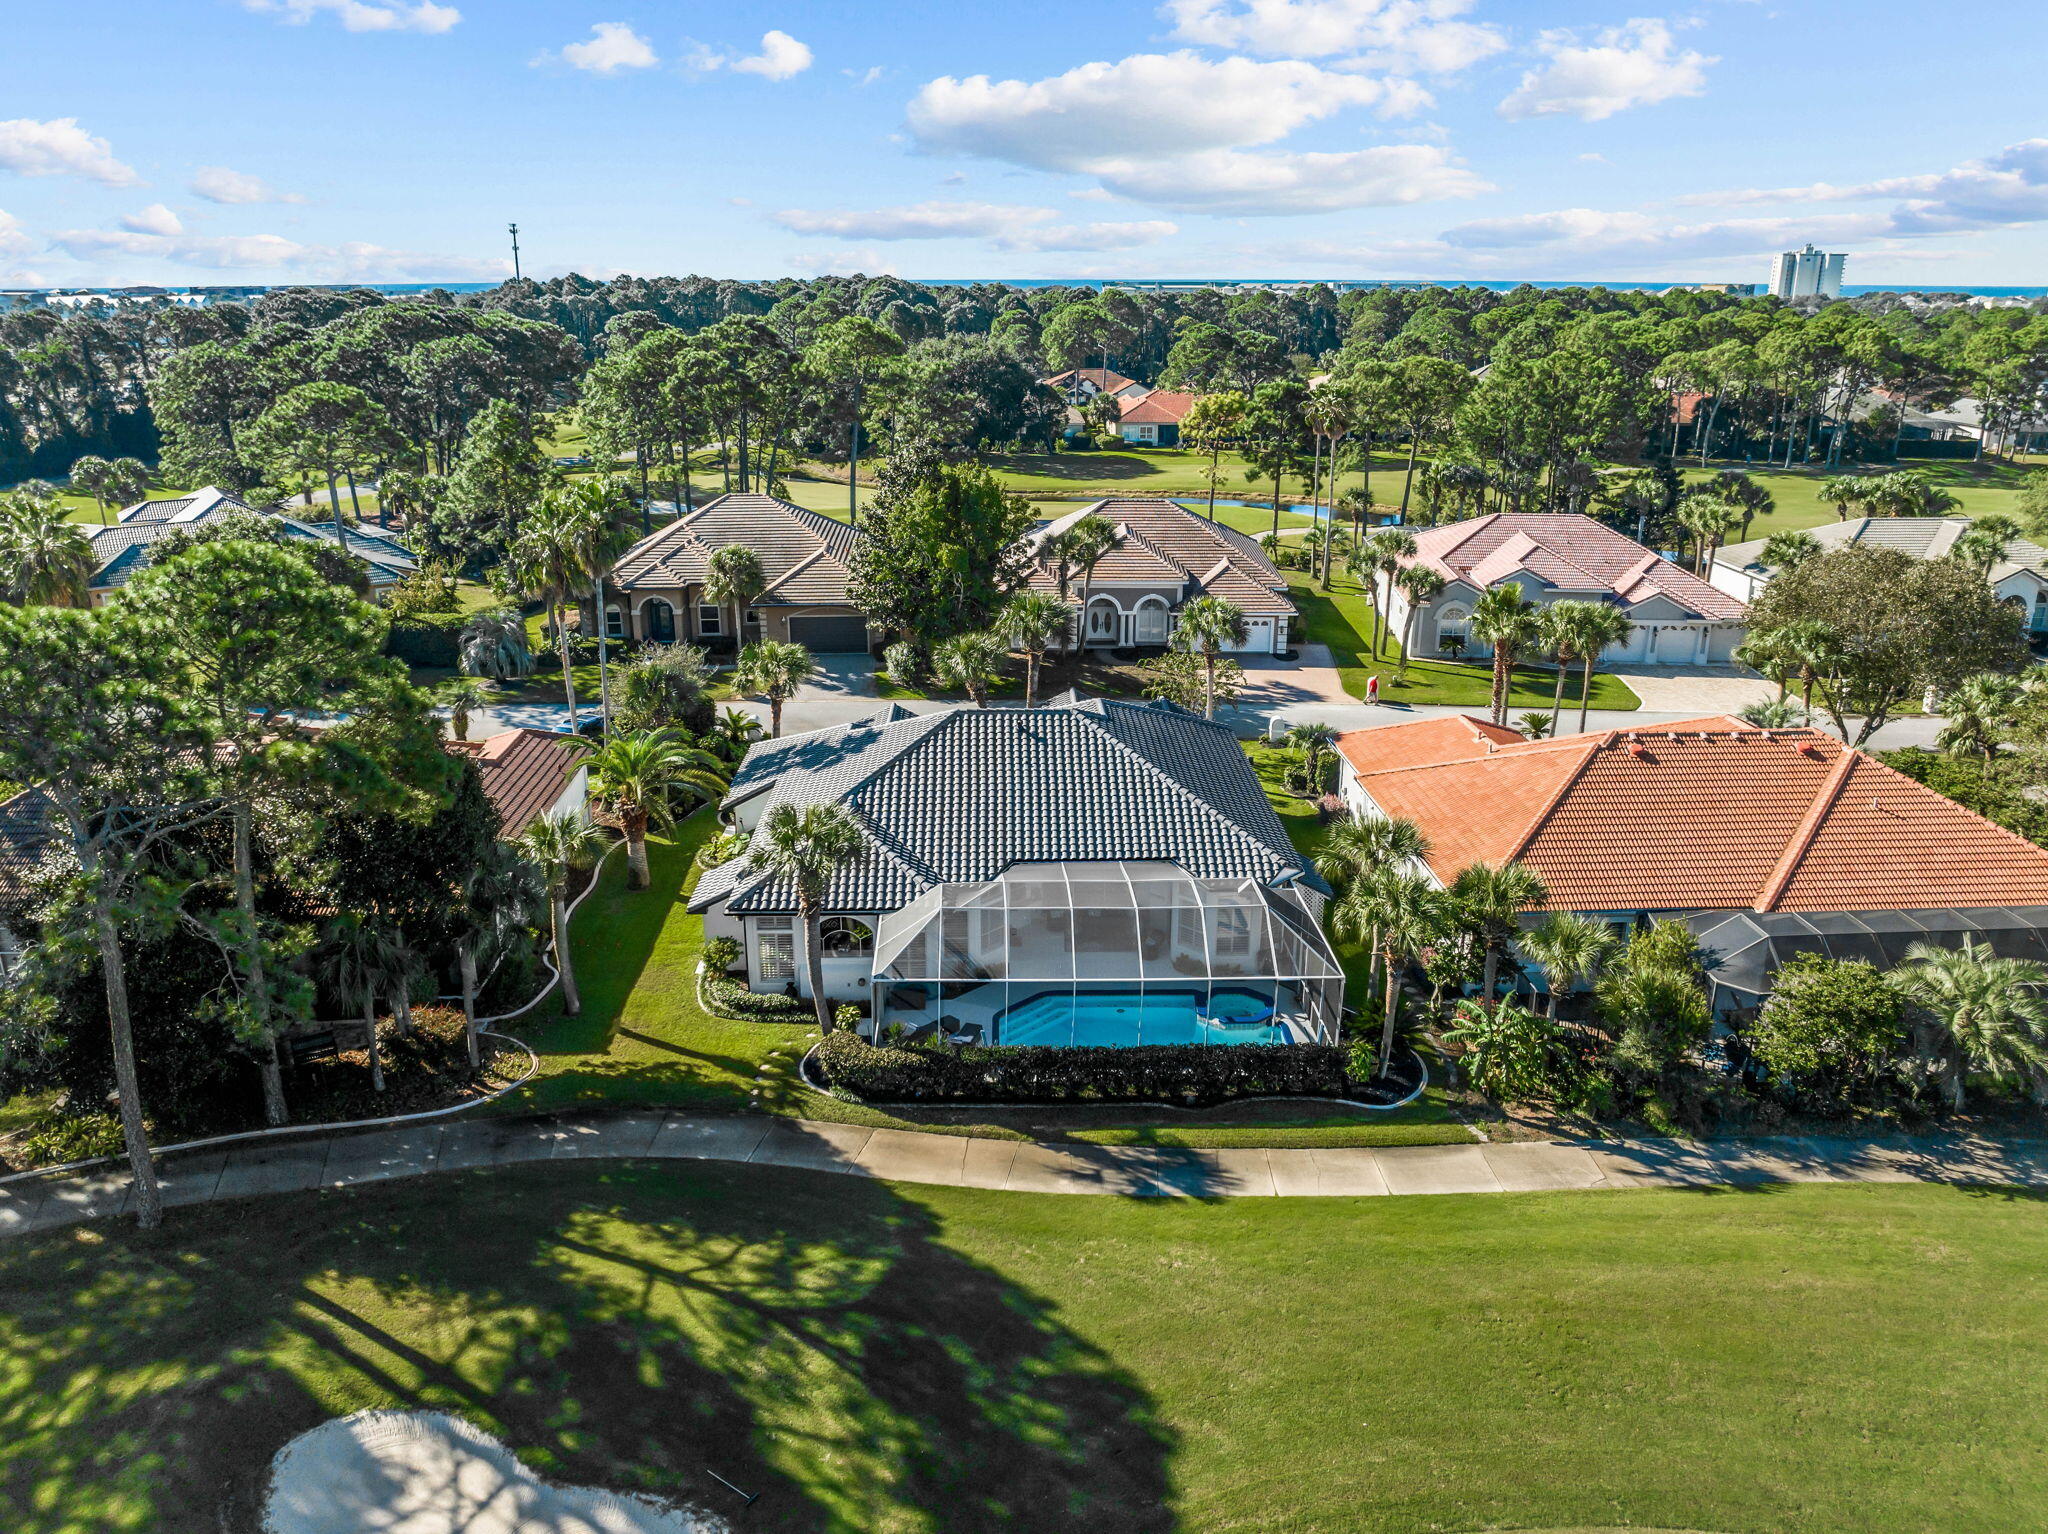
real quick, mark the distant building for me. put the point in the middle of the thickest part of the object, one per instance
(1808, 273)
(1154, 421)
(122, 551)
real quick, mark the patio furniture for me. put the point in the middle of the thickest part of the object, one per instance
(966, 1033)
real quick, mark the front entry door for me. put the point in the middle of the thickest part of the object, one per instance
(661, 622)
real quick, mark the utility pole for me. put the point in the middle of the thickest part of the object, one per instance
(515, 250)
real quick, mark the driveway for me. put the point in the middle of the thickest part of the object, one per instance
(1311, 678)
(1695, 689)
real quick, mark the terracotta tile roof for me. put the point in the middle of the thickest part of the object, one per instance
(1705, 814)
(524, 771)
(1454, 738)
(1107, 380)
(1160, 407)
(1162, 543)
(808, 551)
(1570, 554)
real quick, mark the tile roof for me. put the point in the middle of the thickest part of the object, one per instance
(1160, 407)
(1163, 543)
(1106, 379)
(961, 794)
(1567, 553)
(1918, 537)
(804, 555)
(1456, 737)
(25, 833)
(1702, 814)
(121, 551)
(524, 772)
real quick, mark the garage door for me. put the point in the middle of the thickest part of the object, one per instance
(830, 636)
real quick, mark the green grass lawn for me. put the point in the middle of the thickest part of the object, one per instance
(869, 1358)
(644, 1040)
(1342, 618)
(1981, 487)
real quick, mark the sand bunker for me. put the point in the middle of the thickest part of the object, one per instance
(400, 1472)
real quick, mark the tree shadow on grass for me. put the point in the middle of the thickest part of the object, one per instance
(1083, 467)
(631, 1326)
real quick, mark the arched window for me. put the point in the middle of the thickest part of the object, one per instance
(614, 622)
(1451, 623)
(845, 937)
(1150, 626)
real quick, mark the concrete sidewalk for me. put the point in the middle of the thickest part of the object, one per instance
(302, 1164)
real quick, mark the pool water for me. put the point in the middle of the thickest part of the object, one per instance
(1128, 1017)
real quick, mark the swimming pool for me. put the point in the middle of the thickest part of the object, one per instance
(1131, 1017)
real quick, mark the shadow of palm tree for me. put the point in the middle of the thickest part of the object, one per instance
(627, 1326)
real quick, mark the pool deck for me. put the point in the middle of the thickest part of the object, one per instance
(304, 1163)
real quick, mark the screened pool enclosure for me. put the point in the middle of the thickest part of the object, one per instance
(1109, 953)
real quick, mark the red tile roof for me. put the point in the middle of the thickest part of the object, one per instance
(1160, 407)
(1567, 553)
(1457, 737)
(525, 772)
(1706, 814)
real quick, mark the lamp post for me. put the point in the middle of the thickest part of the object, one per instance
(515, 250)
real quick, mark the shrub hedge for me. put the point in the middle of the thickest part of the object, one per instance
(427, 639)
(1180, 1073)
(726, 997)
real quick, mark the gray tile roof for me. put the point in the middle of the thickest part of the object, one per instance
(961, 794)
(1917, 537)
(25, 834)
(121, 551)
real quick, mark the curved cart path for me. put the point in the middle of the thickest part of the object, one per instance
(305, 1162)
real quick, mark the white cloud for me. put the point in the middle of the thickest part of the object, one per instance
(612, 46)
(1007, 226)
(866, 76)
(1404, 34)
(351, 261)
(60, 147)
(216, 183)
(365, 15)
(1174, 128)
(865, 261)
(1092, 194)
(2007, 188)
(780, 57)
(1636, 64)
(14, 240)
(154, 219)
(1594, 157)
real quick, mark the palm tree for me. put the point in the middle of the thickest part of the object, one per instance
(1084, 546)
(774, 668)
(462, 695)
(548, 561)
(1423, 586)
(1314, 740)
(1989, 1010)
(1536, 724)
(1594, 634)
(350, 961)
(560, 843)
(1572, 631)
(1750, 497)
(1788, 551)
(1810, 647)
(1506, 620)
(1358, 847)
(1568, 948)
(601, 529)
(494, 645)
(1709, 516)
(128, 481)
(1400, 913)
(1489, 897)
(733, 576)
(1774, 714)
(1208, 627)
(1984, 544)
(636, 775)
(1978, 711)
(502, 895)
(44, 560)
(968, 663)
(1377, 564)
(735, 728)
(1032, 621)
(1842, 491)
(93, 474)
(804, 849)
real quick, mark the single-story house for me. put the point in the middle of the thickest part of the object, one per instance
(2020, 578)
(655, 593)
(1087, 872)
(1764, 842)
(122, 551)
(527, 774)
(1164, 557)
(1080, 385)
(1154, 420)
(1675, 618)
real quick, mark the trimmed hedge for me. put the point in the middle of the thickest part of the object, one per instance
(427, 639)
(726, 997)
(1044, 1073)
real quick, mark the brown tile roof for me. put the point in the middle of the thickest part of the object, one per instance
(1106, 379)
(804, 555)
(1706, 814)
(1456, 737)
(1567, 553)
(1162, 543)
(1160, 407)
(524, 772)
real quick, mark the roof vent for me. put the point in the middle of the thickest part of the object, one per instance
(1636, 748)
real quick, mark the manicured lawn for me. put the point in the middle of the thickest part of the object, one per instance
(1342, 618)
(869, 1358)
(1981, 487)
(643, 1039)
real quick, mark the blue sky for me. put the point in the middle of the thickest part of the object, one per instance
(390, 140)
